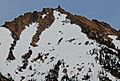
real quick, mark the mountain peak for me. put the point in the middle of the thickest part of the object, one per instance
(94, 29)
(55, 45)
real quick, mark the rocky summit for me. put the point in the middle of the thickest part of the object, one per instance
(56, 45)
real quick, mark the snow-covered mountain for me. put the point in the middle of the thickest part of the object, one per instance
(55, 45)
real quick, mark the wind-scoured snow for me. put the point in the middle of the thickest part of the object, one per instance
(61, 41)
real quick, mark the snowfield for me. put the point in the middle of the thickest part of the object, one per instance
(62, 41)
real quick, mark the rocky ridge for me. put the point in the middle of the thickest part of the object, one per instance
(93, 28)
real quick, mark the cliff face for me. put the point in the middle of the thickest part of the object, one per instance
(55, 45)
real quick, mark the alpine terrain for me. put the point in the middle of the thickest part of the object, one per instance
(55, 45)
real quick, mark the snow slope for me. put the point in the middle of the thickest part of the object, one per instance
(62, 41)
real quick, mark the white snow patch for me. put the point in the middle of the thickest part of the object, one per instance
(116, 42)
(43, 16)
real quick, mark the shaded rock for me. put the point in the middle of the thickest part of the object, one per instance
(60, 40)
(2, 78)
